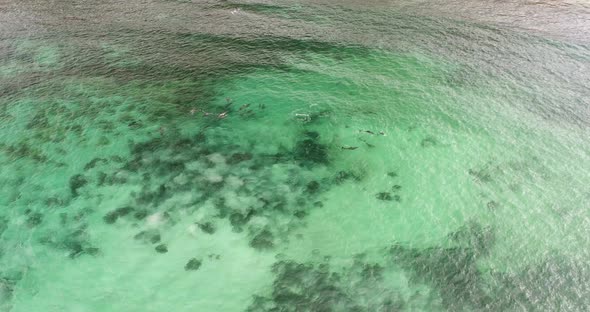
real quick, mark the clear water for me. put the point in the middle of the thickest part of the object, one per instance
(310, 156)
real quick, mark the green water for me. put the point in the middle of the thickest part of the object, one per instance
(342, 160)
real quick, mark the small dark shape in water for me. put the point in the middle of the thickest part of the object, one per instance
(101, 179)
(312, 134)
(397, 187)
(238, 220)
(384, 196)
(117, 159)
(262, 240)
(492, 205)
(75, 247)
(151, 236)
(77, 181)
(243, 107)
(300, 214)
(428, 142)
(367, 131)
(91, 164)
(397, 198)
(54, 201)
(350, 148)
(313, 187)
(193, 264)
(140, 214)
(155, 238)
(93, 251)
(481, 175)
(112, 216)
(161, 248)
(309, 151)
(366, 143)
(207, 227)
(372, 271)
(63, 219)
(238, 158)
(201, 137)
(342, 176)
(77, 129)
(34, 219)
(134, 124)
(318, 204)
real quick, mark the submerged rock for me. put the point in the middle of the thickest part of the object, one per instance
(112, 216)
(161, 248)
(149, 236)
(264, 240)
(193, 264)
(34, 219)
(392, 174)
(77, 181)
(310, 152)
(384, 196)
(91, 164)
(428, 142)
(313, 187)
(316, 287)
(312, 135)
(207, 227)
(238, 158)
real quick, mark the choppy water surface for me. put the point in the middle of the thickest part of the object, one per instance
(309, 156)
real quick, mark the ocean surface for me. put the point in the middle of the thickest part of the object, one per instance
(312, 155)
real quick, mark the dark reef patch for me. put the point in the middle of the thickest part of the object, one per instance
(554, 284)
(311, 152)
(77, 181)
(207, 227)
(318, 287)
(148, 236)
(94, 162)
(452, 271)
(312, 187)
(193, 264)
(385, 196)
(264, 240)
(161, 248)
(112, 216)
(428, 142)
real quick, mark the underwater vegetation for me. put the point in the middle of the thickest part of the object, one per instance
(238, 185)
(320, 287)
(551, 283)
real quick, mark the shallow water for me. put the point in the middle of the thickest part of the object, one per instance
(309, 156)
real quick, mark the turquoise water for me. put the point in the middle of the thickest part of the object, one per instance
(226, 156)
